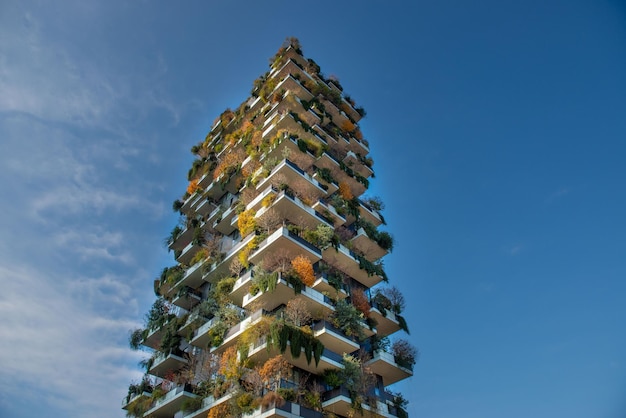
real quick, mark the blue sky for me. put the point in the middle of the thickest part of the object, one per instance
(499, 133)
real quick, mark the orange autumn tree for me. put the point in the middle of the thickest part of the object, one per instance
(344, 191)
(192, 187)
(304, 269)
(359, 300)
(229, 162)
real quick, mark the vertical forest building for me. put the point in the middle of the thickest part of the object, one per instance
(278, 304)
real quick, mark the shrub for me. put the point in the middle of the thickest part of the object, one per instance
(304, 269)
(405, 353)
(192, 187)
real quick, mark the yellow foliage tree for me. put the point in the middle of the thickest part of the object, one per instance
(229, 365)
(304, 269)
(220, 411)
(246, 222)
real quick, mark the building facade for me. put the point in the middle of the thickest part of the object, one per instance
(278, 304)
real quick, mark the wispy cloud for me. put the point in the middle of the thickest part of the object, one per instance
(515, 249)
(72, 169)
(558, 194)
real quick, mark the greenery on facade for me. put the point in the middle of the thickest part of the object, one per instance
(226, 276)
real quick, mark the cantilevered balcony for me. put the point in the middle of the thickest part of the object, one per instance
(291, 66)
(191, 202)
(370, 248)
(349, 110)
(289, 83)
(316, 302)
(201, 337)
(234, 333)
(295, 210)
(241, 287)
(187, 298)
(338, 402)
(286, 242)
(386, 320)
(182, 240)
(259, 353)
(338, 116)
(285, 410)
(208, 403)
(189, 252)
(322, 285)
(293, 174)
(333, 338)
(153, 339)
(344, 259)
(192, 278)
(168, 362)
(129, 403)
(218, 270)
(223, 223)
(370, 215)
(384, 364)
(355, 163)
(327, 160)
(329, 212)
(170, 404)
(194, 320)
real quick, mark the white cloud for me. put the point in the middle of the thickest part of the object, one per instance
(71, 159)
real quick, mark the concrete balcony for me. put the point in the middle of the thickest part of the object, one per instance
(295, 210)
(352, 161)
(232, 335)
(190, 203)
(292, 174)
(216, 271)
(207, 403)
(289, 83)
(333, 338)
(345, 260)
(153, 339)
(284, 241)
(223, 223)
(338, 115)
(326, 160)
(338, 402)
(286, 410)
(201, 336)
(370, 215)
(385, 365)
(170, 404)
(182, 240)
(140, 397)
(241, 287)
(188, 252)
(316, 302)
(322, 285)
(188, 299)
(329, 212)
(168, 362)
(192, 279)
(368, 246)
(349, 110)
(259, 353)
(387, 322)
(194, 320)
